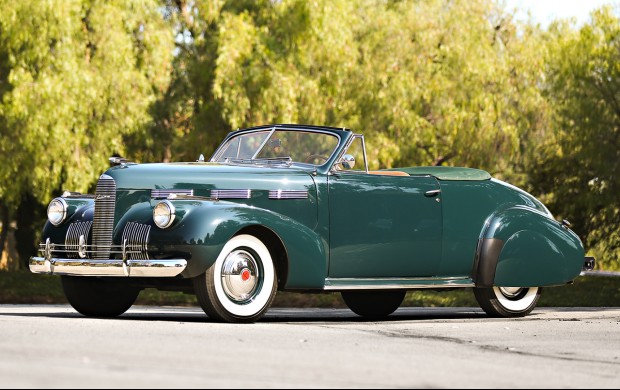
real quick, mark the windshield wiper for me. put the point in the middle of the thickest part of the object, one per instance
(287, 161)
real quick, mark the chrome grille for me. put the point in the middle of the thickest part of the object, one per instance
(72, 240)
(231, 194)
(135, 241)
(288, 194)
(103, 224)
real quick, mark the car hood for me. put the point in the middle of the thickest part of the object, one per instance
(208, 176)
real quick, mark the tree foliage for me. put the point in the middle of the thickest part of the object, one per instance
(579, 164)
(455, 82)
(461, 86)
(75, 77)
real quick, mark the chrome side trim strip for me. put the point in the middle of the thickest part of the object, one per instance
(288, 194)
(163, 194)
(76, 195)
(342, 284)
(109, 268)
(231, 194)
(398, 286)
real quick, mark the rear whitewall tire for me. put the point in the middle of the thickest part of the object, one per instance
(220, 305)
(508, 302)
(517, 306)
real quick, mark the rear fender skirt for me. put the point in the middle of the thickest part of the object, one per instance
(487, 257)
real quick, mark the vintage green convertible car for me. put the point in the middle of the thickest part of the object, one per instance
(295, 208)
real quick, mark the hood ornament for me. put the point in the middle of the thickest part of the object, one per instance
(201, 158)
(116, 161)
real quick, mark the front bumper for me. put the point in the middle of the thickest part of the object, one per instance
(108, 268)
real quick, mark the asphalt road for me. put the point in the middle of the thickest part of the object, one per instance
(53, 347)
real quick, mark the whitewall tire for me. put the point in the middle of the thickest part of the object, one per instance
(508, 301)
(242, 283)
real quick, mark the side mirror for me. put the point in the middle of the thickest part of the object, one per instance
(346, 162)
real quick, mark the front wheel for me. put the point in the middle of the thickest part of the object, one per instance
(373, 304)
(241, 285)
(99, 298)
(507, 302)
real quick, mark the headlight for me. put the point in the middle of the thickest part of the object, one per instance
(164, 214)
(57, 211)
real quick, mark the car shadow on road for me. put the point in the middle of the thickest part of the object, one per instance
(276, 315)
(284, 316)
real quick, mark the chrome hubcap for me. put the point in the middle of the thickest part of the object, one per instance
(511, 292)
(240, 276)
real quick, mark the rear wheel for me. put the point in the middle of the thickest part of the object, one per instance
(99, 298)
(241, 285)
(373, 304)
(508, 301)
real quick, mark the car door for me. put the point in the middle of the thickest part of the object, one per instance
(384, 226)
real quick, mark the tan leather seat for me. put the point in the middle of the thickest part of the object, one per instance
(388, 173)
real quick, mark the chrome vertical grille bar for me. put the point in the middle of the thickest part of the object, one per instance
(145, 246)
(136, 237)
(141, 242)
(72, 240)
(103, 224)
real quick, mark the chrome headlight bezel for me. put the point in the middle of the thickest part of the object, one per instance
(57, 211)
(166, 210)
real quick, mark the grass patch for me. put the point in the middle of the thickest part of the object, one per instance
(22, 287)
(590, 291)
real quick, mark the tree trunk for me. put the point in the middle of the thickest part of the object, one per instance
(439, 161)
(6, 221)
(30, 219)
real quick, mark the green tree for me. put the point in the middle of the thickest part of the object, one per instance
(580, 161)
(429, 82)
(75, 77)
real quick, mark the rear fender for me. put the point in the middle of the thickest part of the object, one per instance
(524, 247)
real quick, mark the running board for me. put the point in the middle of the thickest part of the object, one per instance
(341, 284)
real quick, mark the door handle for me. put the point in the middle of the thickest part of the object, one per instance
(432, 193)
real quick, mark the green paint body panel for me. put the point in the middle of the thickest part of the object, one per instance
(351, 226)
(467, 205)
(383, 226)
(206, 226)
(537, 251)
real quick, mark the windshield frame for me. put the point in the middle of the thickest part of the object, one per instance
(272, 129)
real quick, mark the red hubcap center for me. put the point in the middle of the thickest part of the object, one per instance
(245, 275)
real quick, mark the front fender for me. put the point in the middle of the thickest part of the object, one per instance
(523, 247)
(206, 226)
(79, 210)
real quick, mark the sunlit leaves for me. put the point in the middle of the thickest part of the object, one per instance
(579, 162)
(78, 76)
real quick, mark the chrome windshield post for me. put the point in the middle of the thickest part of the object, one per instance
(260, 148)
(365, 156)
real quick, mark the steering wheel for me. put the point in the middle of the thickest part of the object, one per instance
(313, 157)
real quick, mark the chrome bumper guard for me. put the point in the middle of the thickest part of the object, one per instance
(108, 268)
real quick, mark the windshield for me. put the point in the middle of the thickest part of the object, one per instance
(281, 146)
